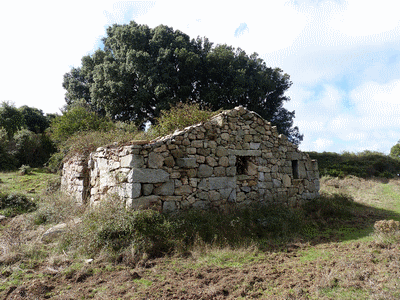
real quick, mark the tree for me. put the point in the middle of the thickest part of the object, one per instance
(11, 119)
(142, 71)
(34, 119)
(395, 150)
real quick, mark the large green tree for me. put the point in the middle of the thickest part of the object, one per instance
(142, 71)
(11, 119)
(34, 119)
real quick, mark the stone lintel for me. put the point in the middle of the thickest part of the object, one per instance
(244, 152)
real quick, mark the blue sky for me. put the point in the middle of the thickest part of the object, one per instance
(343, 56)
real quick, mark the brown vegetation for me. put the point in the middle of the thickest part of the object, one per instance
(328, 263)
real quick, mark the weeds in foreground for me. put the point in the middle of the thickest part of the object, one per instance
(387, 232)
(56, 208)
(15, 204)
(128, 235)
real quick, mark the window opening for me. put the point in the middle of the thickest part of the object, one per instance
(241, 165)
(295, 169)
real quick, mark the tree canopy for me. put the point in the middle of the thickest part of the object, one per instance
(34, 119)
(395, 150)
(142, 71)
(11, 119)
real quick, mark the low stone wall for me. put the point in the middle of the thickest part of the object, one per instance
(235, 158)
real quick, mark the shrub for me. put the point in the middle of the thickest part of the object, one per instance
(7, 160)
(84, 142)
(25, 170)
(77, 119)
(326, 207)
(55, 208)
(387, 232)
(179, 117)
(55, 161)
(15, 204)
(31, 148)
(364, 164)
(112, 227)
(387, 226)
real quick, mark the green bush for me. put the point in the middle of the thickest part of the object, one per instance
(112, 228)
(326, 207)
(55, 161)
(365, 164)
(7, 160)
(85, 142)
(179, 117)
(55, 207)
(15, 204)
(77, 119)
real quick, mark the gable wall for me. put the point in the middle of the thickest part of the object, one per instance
(235, 158)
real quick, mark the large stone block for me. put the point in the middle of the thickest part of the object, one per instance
(132, 161)
(219, 171)
(277, 183)
(166, 189)
(169, 207)
(254, 146)
(214, 195)
(147, 189)
(223, 161)
(130, 190)
(147, 176)
(183, 190)
(211, 161)
(201, 205)
(155, 160)
(152, 201)
(169, 161)
(186, 162)
(221, 151)
(217, 183)
(231, 171)
(204, 171)
(244, 152)
(287, 182)
(252, 169)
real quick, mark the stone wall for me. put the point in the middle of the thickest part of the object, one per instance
(75, 179)
(235, 158)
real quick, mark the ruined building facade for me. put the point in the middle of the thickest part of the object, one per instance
(234, 159)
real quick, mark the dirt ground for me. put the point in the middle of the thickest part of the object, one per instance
(323, 269)
(327, 271)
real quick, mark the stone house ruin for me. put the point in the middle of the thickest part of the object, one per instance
(234, 159)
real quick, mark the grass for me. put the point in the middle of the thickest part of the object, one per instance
(32, 183)
(325, 248)
(227, 257)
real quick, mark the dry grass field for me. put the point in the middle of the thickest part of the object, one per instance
(329, 258)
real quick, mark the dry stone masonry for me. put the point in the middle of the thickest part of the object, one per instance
(234, 159)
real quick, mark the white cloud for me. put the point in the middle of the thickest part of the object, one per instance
(218, 20)
(45, 38)
(339, 123)
(322, 143)
(378, 105)
(366, 18)
(319, 43)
